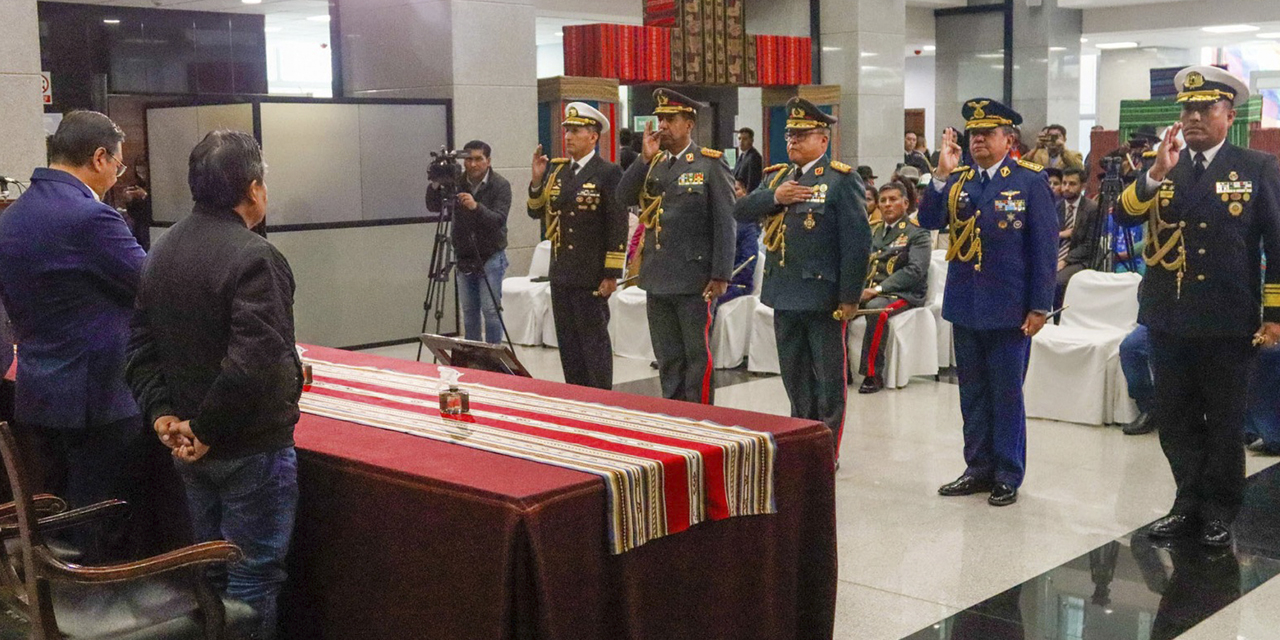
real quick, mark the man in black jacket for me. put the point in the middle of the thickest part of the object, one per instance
(479, 236)
(213, 365)
(750, 167)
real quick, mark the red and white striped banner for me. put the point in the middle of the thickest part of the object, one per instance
(662, 474)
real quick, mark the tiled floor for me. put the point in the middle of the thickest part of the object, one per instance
(910, 560)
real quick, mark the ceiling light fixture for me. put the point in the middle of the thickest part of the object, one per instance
(251, 1)
(1057, 48)
(272, 29)
(323, 18)
(1117, 45)
(1230, 28)
(1083, 40)
(929, 47)
(1269, 36)
(110, 21)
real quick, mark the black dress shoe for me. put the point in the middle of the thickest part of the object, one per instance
(1174, 525)
(871, 384)
(964, 486)
(1142, 424)
(1002, 495)
(1215, 533)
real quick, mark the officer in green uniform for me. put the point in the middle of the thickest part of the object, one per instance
(897, 278)
(587, 226)
(1210, 209)
(817, 241)
(685, 195)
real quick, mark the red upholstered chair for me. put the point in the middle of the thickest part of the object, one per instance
(162, 597)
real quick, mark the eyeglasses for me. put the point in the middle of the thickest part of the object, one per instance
(798, 135)
(121, 168)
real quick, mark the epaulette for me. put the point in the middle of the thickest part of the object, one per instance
(960, 169)
(841, 167)
(559, 160)
(712, 153)
(1149, 154)
(1030, 165)
(774, 167)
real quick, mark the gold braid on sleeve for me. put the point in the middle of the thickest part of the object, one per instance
(774, 233)
(966, 237)
(550, 217)
(1168, 252)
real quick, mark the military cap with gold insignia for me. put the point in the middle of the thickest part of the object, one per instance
(581, 114)
(670, 102)
(802, 115)
(1210, 84)
(985, 113)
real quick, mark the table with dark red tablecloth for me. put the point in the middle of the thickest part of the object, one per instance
(401, 536)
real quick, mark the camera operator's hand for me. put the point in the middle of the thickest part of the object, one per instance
(1167, 154)
(650, 145)
(540, 163)
(466, 200)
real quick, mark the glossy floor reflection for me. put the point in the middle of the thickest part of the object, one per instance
(910, 559)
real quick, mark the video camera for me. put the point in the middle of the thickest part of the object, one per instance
(444, 172)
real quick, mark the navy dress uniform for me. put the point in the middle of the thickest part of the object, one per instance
(899, 273)
(686, 203)
(587, 227)
(816, 260)
(1203, 297)
(1003, 228)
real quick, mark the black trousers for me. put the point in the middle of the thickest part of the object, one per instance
(872, 361)
(1201, 392)
(582, 329)
(680, 327)
(813, 359)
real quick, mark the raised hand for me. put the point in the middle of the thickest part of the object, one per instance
(540, 163)
(949, 154)
(650, 145)
(1167, 154)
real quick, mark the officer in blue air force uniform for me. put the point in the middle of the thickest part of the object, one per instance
(817, 241)
(1211, 209)
(1000, 286)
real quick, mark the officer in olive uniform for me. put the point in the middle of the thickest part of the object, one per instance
(1210, 209)
(1003, 228)
(685, 194)
(587, 226)
(817, 241)
(897, 278)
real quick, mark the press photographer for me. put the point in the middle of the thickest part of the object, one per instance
(479, 237)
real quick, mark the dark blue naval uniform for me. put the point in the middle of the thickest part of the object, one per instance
(816, 260)
(1003, 259)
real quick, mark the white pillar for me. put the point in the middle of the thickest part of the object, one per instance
(21, 109)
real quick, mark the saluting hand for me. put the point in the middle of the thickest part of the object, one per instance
(791, 192)
(949, 154)
(1167, 154)
(540, 163)
(650, 145)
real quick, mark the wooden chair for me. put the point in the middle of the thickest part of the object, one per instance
(163, 597)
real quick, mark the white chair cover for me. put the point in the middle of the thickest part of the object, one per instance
(911, 346)
(1074, 373)
(629, 324)
(937, 287)
(731, 333)
(526, 304)
(762, 354)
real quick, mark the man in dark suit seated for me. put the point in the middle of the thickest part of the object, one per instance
(1078, 239)
(68, 273)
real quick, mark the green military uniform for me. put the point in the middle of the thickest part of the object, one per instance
(816, 260)
(587, 227)
(899, 272)
(686, 202)
(1203, 297)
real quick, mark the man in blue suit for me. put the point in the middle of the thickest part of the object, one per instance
(69, 269)
(1000, 286)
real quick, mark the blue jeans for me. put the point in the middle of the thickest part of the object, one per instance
(251, 502)
(1263, 419)
(1135, 362)
(476, 300)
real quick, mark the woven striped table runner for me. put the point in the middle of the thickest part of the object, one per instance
(662, 474)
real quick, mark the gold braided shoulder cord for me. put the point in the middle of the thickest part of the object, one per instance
(888, 268)
(551, 217)
(650, 204)
(775, 228)
(962, 231)
(1157, 253)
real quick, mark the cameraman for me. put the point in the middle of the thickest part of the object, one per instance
(479, 240)
(1051, 150)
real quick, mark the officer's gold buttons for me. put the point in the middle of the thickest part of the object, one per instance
(1200, 277)
(1182, 223)
(570, 246)
(1201, 252)
(1204, 225)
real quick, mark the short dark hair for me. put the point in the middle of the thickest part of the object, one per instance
(223, 167)
(1074, 171)
(1054, 172)
(624, 137)
(1057, 127)
(903, 189)
(749, 131)
(79, 137)
(478, 144)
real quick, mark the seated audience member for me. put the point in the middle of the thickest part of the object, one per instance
(626, 155)
(868, 176)
(1135, 363)
(1263, 420)
(748, 247)
(907, 175)
(1079, 215)
(68, 274)
(213, 363)
(1051, 150)
(1124, 260)
(897, 278)
(873, 212)
(1055, 182)
(739, 189)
